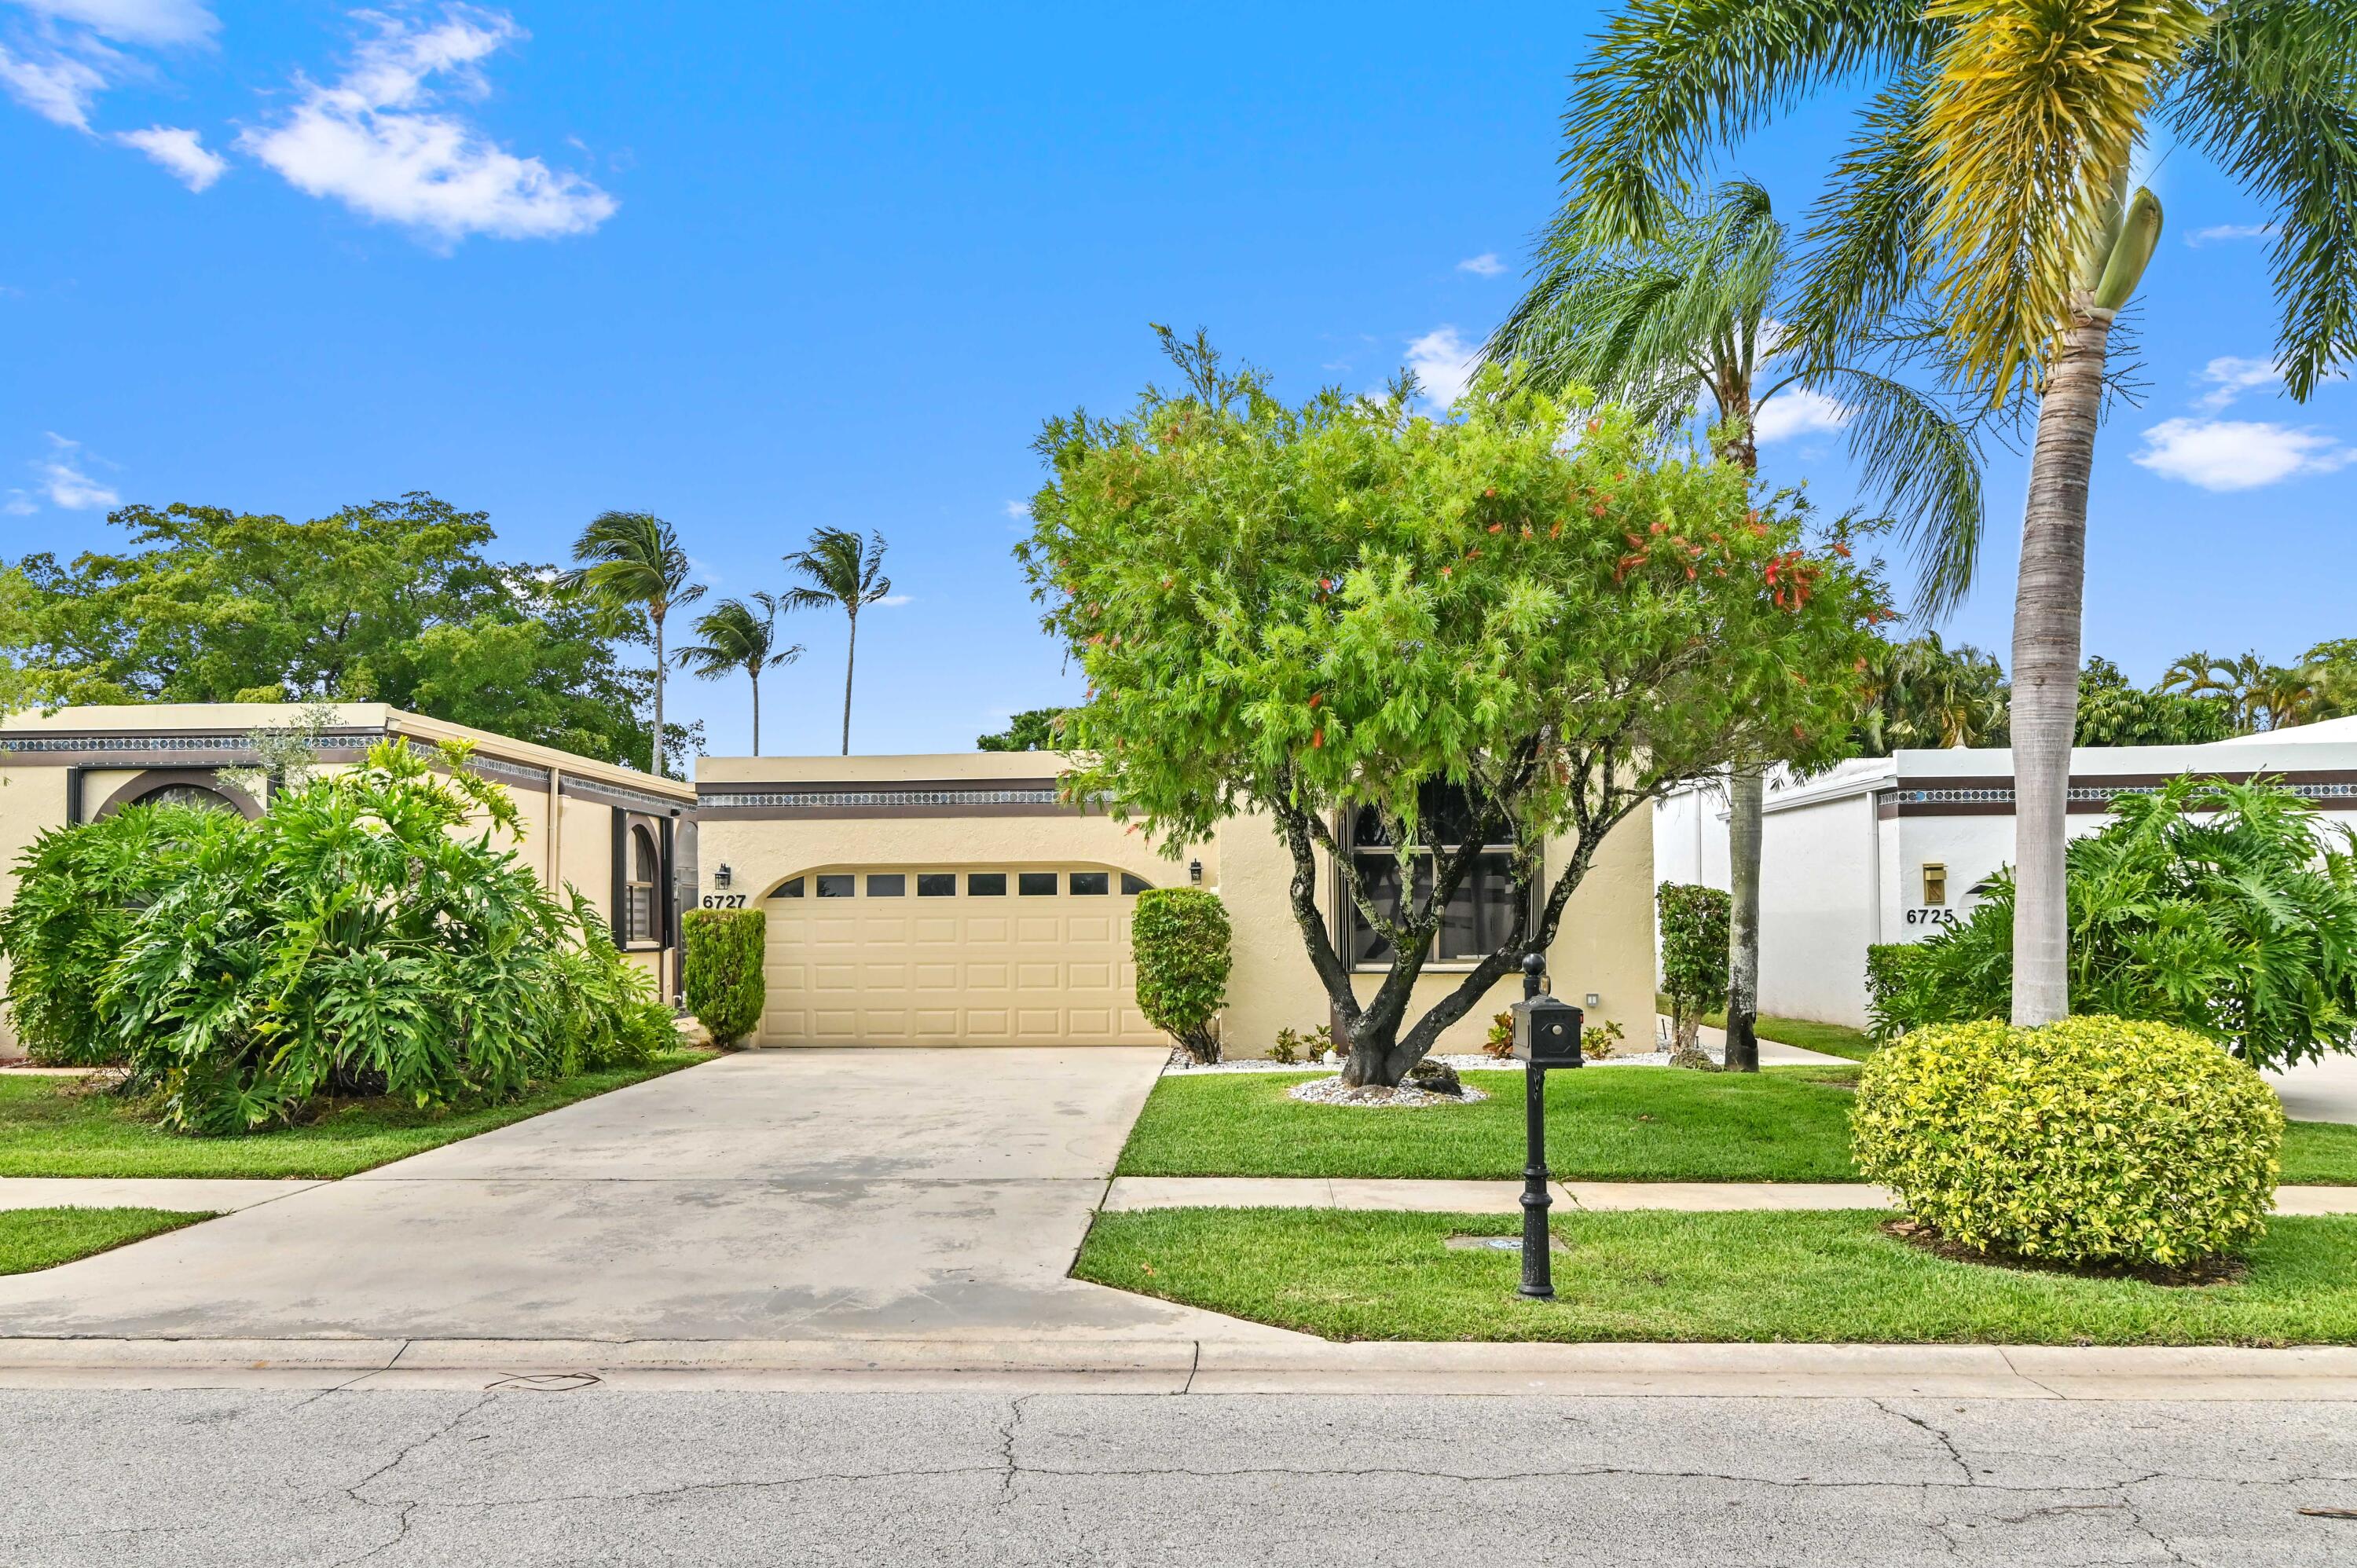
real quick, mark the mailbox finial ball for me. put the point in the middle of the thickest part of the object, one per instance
(1535, 964)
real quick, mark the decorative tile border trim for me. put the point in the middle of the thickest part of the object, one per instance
(837, 798)
(2085, 794)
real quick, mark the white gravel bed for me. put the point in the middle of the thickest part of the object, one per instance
(1333, 1091)
(1180, 1065)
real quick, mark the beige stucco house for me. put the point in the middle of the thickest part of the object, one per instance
(615, 833)
(950, 899)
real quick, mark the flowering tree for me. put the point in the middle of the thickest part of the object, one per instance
(1318, 612)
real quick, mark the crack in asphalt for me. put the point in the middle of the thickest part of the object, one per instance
(1945, 1441)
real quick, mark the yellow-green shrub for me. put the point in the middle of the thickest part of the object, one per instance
(2093, 1140)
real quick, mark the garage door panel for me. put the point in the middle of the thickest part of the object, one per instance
(953, 969)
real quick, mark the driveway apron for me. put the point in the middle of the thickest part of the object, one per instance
(802, 1195)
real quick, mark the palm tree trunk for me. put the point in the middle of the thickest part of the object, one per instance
(1746, 797)
(756, 673)
(657, 766)
(850, 658)
(2046, 609)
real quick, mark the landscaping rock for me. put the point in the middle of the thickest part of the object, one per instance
(1333, 1091)
(1437, 1077)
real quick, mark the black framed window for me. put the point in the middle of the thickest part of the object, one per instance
(1035, 884)
(791, 889)
(646, 870)
(1478, 917)
(1087, 882)
(887, 885)
(1133, 884)
(841, 885)
(937, 884)
(986, 885)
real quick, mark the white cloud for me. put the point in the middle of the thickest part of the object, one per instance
(2217, 232)
(2230, 377)
(1442, 361)
(132, 21)
(894, 601)
(379, 141)
(1019, 511)
(59, 62)
(58, 87)
(182, 152)
(1797, 411)
(62, 480)
(1485, 265)
(18, 504)
(2237, 455)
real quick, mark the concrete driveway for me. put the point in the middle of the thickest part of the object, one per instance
(805, 1195)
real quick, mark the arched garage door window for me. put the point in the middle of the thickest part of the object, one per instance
(187, 795)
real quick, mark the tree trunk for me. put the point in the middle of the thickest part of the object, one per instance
(756, 673)
(657, 766)
(1745, 798)
(850, 658)
(2046, 608)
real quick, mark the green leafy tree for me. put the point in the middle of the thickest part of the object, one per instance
(2114, 711)
(1691, 311)
(1922, 695)
(2330, 670)
(838, 571)
(393, 602)
(1344, 607)
(1034, 729)
(736, 638)
(2230, 910)
(632, 560)
(1989, 173)
(1179, 936)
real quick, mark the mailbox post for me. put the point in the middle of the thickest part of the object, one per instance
(1546, 1034)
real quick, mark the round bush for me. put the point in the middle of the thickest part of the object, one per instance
(2092, 1141)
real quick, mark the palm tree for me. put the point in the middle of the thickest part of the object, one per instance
(1990, 171)
(1693, 309)
(735, 639)
(2259, 696)
(633, 559)
(840, 570)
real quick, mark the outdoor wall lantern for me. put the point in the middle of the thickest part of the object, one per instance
(1195, 872)
(720, 877)
(1546, 1034)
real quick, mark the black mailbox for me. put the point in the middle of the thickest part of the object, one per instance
(1547, 1033)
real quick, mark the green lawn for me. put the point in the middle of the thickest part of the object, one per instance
(1834, 1040)
(49, 1128)
(1784, 1123)
(1657, 1275)
(1625, 1123)
(43, 1237)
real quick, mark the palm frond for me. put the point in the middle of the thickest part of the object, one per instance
(2037, 109)
(1865, 234)
(1670, 79)
(2271, 94)
(1921, 460)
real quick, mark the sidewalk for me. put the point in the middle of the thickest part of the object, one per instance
(1129, 1193)
(189, 1195)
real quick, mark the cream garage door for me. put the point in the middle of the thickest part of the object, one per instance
(964, 956)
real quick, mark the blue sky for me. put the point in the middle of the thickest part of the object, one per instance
(760, 268)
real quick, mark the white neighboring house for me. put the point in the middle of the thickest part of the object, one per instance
(1890, 849)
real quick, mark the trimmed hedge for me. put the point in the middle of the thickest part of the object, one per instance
(1179, 936)
(1891, 969)
(721, 970)
(2094, 1140)
(1694, 953)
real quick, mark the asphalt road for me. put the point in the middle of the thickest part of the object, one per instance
(524, 1477)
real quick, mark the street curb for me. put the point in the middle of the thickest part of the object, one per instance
(1175, 1365)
